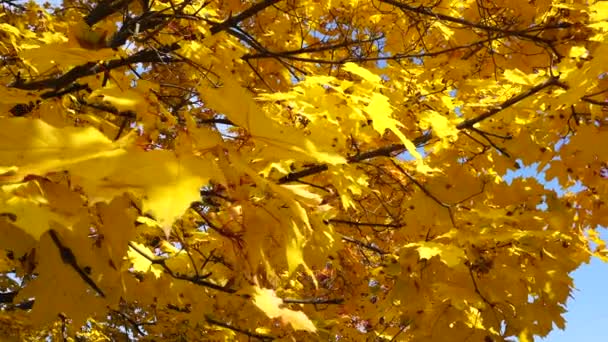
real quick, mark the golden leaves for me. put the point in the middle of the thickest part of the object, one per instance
(267, 301)
(152, 175)
(104, 169)
(275, 139)
(367, 75)
(450, 255)
(275, 133)
(34, 147)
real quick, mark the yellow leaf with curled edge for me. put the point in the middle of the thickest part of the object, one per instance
(598, 11)
(33, 147)
(362, 72)
(380, 110)
(10, 29)
(29, 214)
(295, 248)
(448, 254)
(147, 221)
(91, 38)
(267, 301)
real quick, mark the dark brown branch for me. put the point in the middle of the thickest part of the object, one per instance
(147, 21)
(313, 301)
(365, 245)
(104, 9)
(595, 102)
(108, 108)
(250, 12)
(427, 11)
(385, 151)
(291, 55)
(136, 326)
(309, 49)
(499, 149)
(71, 89)
(68, 258)
(8, 297)
(420, 186)
(92, 68)
(195, 280)
(12, 3)
(248, 333)
(470, 122)
(366, 224)
(221, 121)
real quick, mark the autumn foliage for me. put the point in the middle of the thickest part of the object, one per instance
(189, 170)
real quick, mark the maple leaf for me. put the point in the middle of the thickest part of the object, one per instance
(267, 301)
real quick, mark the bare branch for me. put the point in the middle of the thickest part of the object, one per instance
(169, 271)
(92, 68)
(369, 246)
(313, 301)
(248, 333)
(68, 258)
(250, 12)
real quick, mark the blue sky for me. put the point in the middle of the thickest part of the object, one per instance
(587, 316)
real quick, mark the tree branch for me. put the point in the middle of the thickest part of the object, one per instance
(250, 12)
(313, 301)
(92, 68)
(470, 122)
(104, 9)
(387, 151)
(68, 258)
(369, 246)
(248, 333)
(195, 280)
(427, 11)
(366, 224)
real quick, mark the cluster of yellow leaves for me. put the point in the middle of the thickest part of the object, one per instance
(231, 157)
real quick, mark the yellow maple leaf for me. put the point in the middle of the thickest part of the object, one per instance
(34, 147)
(448, 254)
(380, 110)
(267, 301)
(167, 182)
(362, 72)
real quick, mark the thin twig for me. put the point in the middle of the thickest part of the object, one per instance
(248, 333)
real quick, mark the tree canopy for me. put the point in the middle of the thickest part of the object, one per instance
(194, 170)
